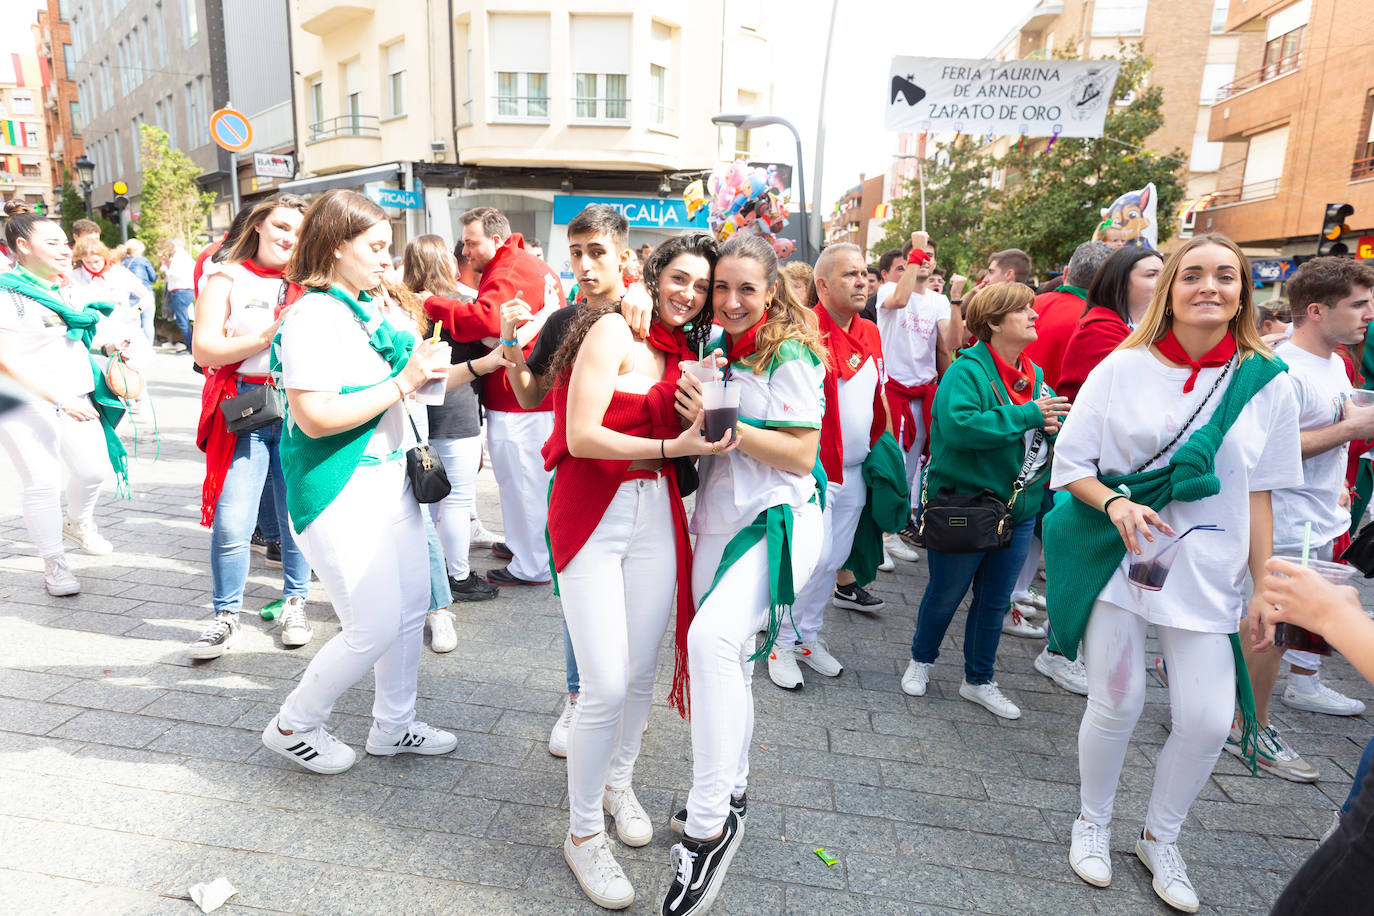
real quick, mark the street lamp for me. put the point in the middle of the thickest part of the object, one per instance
(749, 122)
(85, 175)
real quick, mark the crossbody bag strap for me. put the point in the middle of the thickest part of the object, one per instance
(1032, 450)
(1188, 425)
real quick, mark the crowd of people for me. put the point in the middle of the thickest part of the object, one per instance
(708, 442)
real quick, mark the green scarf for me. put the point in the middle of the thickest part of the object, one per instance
(81, 325)
(1083, 549)
(317, 470)
(1078, 291)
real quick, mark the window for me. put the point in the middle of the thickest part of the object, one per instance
(1119, 17)
(136, 57)
(600, 62)
(144, 53)
(158, 116)
(22, 104)
(30, 170)
(190, 27)
(30, 136)
(658, 91)
(396, 79)
(1214, 76)
(1364, 149)
(520, 61)
(1206, 155)
(76, 38)
(316, 106)
(1219, 10)
(202, 131)
(69, 60)
(1264, 164)
(77, 123)
(192, 114)
(158, 43)
(661, 40)
(170, 107)
(119, 154)
(353, 94)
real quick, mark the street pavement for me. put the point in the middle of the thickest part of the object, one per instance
(130, 773)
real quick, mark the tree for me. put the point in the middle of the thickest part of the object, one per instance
(71, 206)
(172, 204)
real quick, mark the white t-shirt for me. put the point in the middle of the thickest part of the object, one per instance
(910, 334)
(1130, 407)
(118, 286)
(856, 411)
(252, 308)
(736, 488)
(1319, 385)
(181, 268)
(325, 348)
(41, 347)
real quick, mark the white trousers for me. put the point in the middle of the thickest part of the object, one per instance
(718, 648)
(514, 440)
(1024, 579)
(368, 548)
(1202, 697)
(43, 444)
(617, 597)
(844, 506)
(913, 457)
(452, 515)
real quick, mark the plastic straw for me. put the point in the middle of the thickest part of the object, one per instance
(1306, 541)
(438, 326)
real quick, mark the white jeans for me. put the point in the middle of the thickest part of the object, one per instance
(845, 504)
(913, 457)
(617, 597)
(1021, 592)
(514, 440)
(42, 443)
(1202, 697)
(718, 648)
(368, 548)
(452, 515)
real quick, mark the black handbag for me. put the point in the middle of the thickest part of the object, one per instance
(428, 479)
(254, 409)
(1360, 553)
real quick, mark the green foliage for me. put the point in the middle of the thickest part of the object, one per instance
(171, 204)
(1050, 200)
(109, 232)
(71, 206)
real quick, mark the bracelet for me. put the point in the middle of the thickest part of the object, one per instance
(399, 389)
(1112, 499)
(662, 446)
(475, 373)
(509, 343)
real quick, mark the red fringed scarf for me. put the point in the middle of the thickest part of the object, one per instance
(1217, 356)
(899, 400)
(96, 273)
(253, 267)
(669, 340)
(743, 348)
(848, 351)
(1019, 380)
(213, 438)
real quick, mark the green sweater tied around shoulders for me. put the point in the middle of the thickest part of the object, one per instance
(1083, 549)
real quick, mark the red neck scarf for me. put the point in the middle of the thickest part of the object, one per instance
(846, 355)
(744, 347)
(97, 273)
(254, 267)
(1219, 355)
(669, 340)
(1019, 380)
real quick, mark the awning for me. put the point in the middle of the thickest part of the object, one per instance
(353, 179)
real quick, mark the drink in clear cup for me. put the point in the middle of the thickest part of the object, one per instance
(701, 370)
(1292, 636)
(1151, 568)
(721, 405)
(432, 392)
(1360, 397)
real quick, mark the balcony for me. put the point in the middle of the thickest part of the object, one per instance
(1251, 214)
(345, 142)
(1270, 71)
(1257, 100)
(320, 17)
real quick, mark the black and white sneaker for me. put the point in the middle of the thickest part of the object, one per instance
(700, 867)
(739, 805)
(315, 750)
(216, 639)
(472, 588)
(419, 738)
(273, 553)
(258, 543)
(854, 597)
(910, 535)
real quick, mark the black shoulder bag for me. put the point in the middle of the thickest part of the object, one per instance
(428, 479)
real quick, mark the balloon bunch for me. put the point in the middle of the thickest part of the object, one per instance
(743, 200)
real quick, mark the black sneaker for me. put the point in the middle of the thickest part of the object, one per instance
(274, 554)
(501, 551)
(472, 588)
(700, 867)
(855, 597)
(216, 639)
(258, 543)
(740, 806)
(503, 576)
(908, 534)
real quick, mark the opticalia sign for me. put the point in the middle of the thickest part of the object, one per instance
(642, 212)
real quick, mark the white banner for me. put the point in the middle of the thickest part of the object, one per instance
(274, 165)
(1030, 98)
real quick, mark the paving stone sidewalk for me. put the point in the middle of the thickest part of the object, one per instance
(128, 773)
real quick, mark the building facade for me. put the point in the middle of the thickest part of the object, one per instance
(854, 213)
(24, 172)
(61, 108)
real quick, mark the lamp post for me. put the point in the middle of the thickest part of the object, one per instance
(749, 122)
(85, 175)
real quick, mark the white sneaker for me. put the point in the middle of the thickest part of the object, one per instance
(898, 548)
(1071, 675)
(1090, 854)
(887, 565)
(916, 678)
(817, 656)
(1015, 623)
(1035, 598)
(84, 535)
(217, 638)
(782, 667)
(316, 749)
(58, 578)
(632, 825)
(295, 627)
(558, 738)
(442, 636)
(1309, 693)
(595, 868)
(1027, 609)
(1171, 876)
(481, 537)
(990, 697)
(419, 738)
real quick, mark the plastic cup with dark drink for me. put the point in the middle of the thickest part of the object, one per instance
(1292, 636)
(1151, 568)
(720, 402)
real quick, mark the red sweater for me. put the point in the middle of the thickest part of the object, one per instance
(513, 272)
(1057, 315)
(1098, 333)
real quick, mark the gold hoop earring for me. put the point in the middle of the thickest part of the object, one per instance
(1168, 311)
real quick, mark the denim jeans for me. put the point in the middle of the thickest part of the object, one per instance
(182, 301)
(440, 595)
(237, 512)
(267, 511)
(992, 575)
(570, 661)
(1361, 771)
(1336, 877)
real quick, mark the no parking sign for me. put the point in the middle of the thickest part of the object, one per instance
(231, 130)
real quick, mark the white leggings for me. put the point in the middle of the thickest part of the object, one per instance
(1021, 591)
(617, 597)
(42, 443)
(844, 506)
(368, 548)
(515, 440)
(452, 515)
(1202, 697)
(718, 648)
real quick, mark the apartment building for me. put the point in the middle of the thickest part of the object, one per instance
(538, 109)
(61, 109)
(1301, 110)
(853, 217)
(24, 173)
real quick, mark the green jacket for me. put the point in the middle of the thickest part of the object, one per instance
(887, 507)
(978, 436)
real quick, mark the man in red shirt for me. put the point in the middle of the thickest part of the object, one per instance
(1057, 312)
(515, 434)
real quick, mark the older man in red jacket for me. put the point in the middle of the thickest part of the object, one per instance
(515, 434)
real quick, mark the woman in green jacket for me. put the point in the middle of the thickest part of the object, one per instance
(988, 430)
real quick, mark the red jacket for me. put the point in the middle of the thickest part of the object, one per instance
(513, 272)
(1098, 334)
(1057, 316)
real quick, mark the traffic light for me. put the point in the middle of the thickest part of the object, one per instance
(111, 209)
(40, 208)
(1331, 243)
